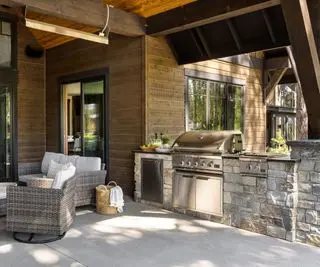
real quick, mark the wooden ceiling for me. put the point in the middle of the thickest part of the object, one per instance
(147, 8)
(49, 40)
(144, 8)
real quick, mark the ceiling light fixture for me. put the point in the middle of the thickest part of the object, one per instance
(47, 27)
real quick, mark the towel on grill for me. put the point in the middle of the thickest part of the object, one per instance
(116, 198)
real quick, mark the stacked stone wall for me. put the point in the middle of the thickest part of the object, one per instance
(261, 204)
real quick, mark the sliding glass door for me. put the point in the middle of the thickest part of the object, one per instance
(93, 118)
(84, 124)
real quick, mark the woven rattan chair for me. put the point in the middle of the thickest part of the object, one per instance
(40, 212)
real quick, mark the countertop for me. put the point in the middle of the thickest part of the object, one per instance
(153, 152)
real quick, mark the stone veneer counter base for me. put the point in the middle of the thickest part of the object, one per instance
(284, 204)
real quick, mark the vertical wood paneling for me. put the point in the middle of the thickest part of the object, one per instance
(30, 101)
(164, 90)
(123, 57)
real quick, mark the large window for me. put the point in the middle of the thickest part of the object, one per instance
(281, 113)
(5, 44)
(213, 105)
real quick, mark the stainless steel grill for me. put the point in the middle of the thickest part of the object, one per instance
(198, 177)
(201, 150)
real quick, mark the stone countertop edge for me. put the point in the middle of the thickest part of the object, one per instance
(305, 143)
(283, 160)
(237, 156)
(153, 152)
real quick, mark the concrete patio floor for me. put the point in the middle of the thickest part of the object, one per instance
(146, 236)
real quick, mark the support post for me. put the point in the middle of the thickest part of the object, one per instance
(305, 53)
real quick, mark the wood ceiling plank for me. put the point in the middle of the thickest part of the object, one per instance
(147, 8)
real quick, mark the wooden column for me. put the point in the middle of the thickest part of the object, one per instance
(304, 50)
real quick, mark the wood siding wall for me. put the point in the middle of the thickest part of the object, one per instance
(164, 90)
(123, 57)
(165, 93)
(30, 101)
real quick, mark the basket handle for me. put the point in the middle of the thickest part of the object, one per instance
(112, 182)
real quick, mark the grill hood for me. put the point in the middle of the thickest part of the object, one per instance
(209, 141)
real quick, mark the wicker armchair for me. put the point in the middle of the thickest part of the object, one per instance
(43, 211)
(86, 181)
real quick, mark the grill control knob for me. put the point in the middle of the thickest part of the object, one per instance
(196, 164)
(203, 164)
(210, 164)
(189, 163)
(182, 163)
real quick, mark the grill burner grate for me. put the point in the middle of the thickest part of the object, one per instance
(201, 151)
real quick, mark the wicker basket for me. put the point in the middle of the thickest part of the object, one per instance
(103, 199)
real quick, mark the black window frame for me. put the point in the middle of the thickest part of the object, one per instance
(190, 74)
(9, 77)
(82, 77)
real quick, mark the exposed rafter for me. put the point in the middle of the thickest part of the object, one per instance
(202, 13)
(196, 42)
(269, 26)
(203, 41)
(234, 34)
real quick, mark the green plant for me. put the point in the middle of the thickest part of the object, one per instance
(165, 139)
(278, 144)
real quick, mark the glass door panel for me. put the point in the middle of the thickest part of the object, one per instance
(93, 118)
(72, 118)
(5, 134)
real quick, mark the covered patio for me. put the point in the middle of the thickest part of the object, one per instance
(148, 236)
(96, 85)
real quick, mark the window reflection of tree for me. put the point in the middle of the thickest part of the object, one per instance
(214, 105)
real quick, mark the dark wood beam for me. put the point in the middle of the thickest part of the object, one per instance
(274, 81)
(91, 13)
(306, 57)
(203, 41)
(196, 42)
(234, 34)
(293, 64)
(277, 63)
(203, 12)
(269, 26)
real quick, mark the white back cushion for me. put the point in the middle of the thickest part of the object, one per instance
(48, 156)
(63, 175)
(54, 167)
(85, 164)
(64, 159)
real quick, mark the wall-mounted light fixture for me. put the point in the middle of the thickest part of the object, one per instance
(47, 27)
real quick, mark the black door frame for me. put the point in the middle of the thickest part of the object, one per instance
(88, 76)
(8, 77)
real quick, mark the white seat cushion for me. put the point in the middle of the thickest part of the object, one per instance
(63, 175)
(24, 178)
(86, 164)
(54, 167)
